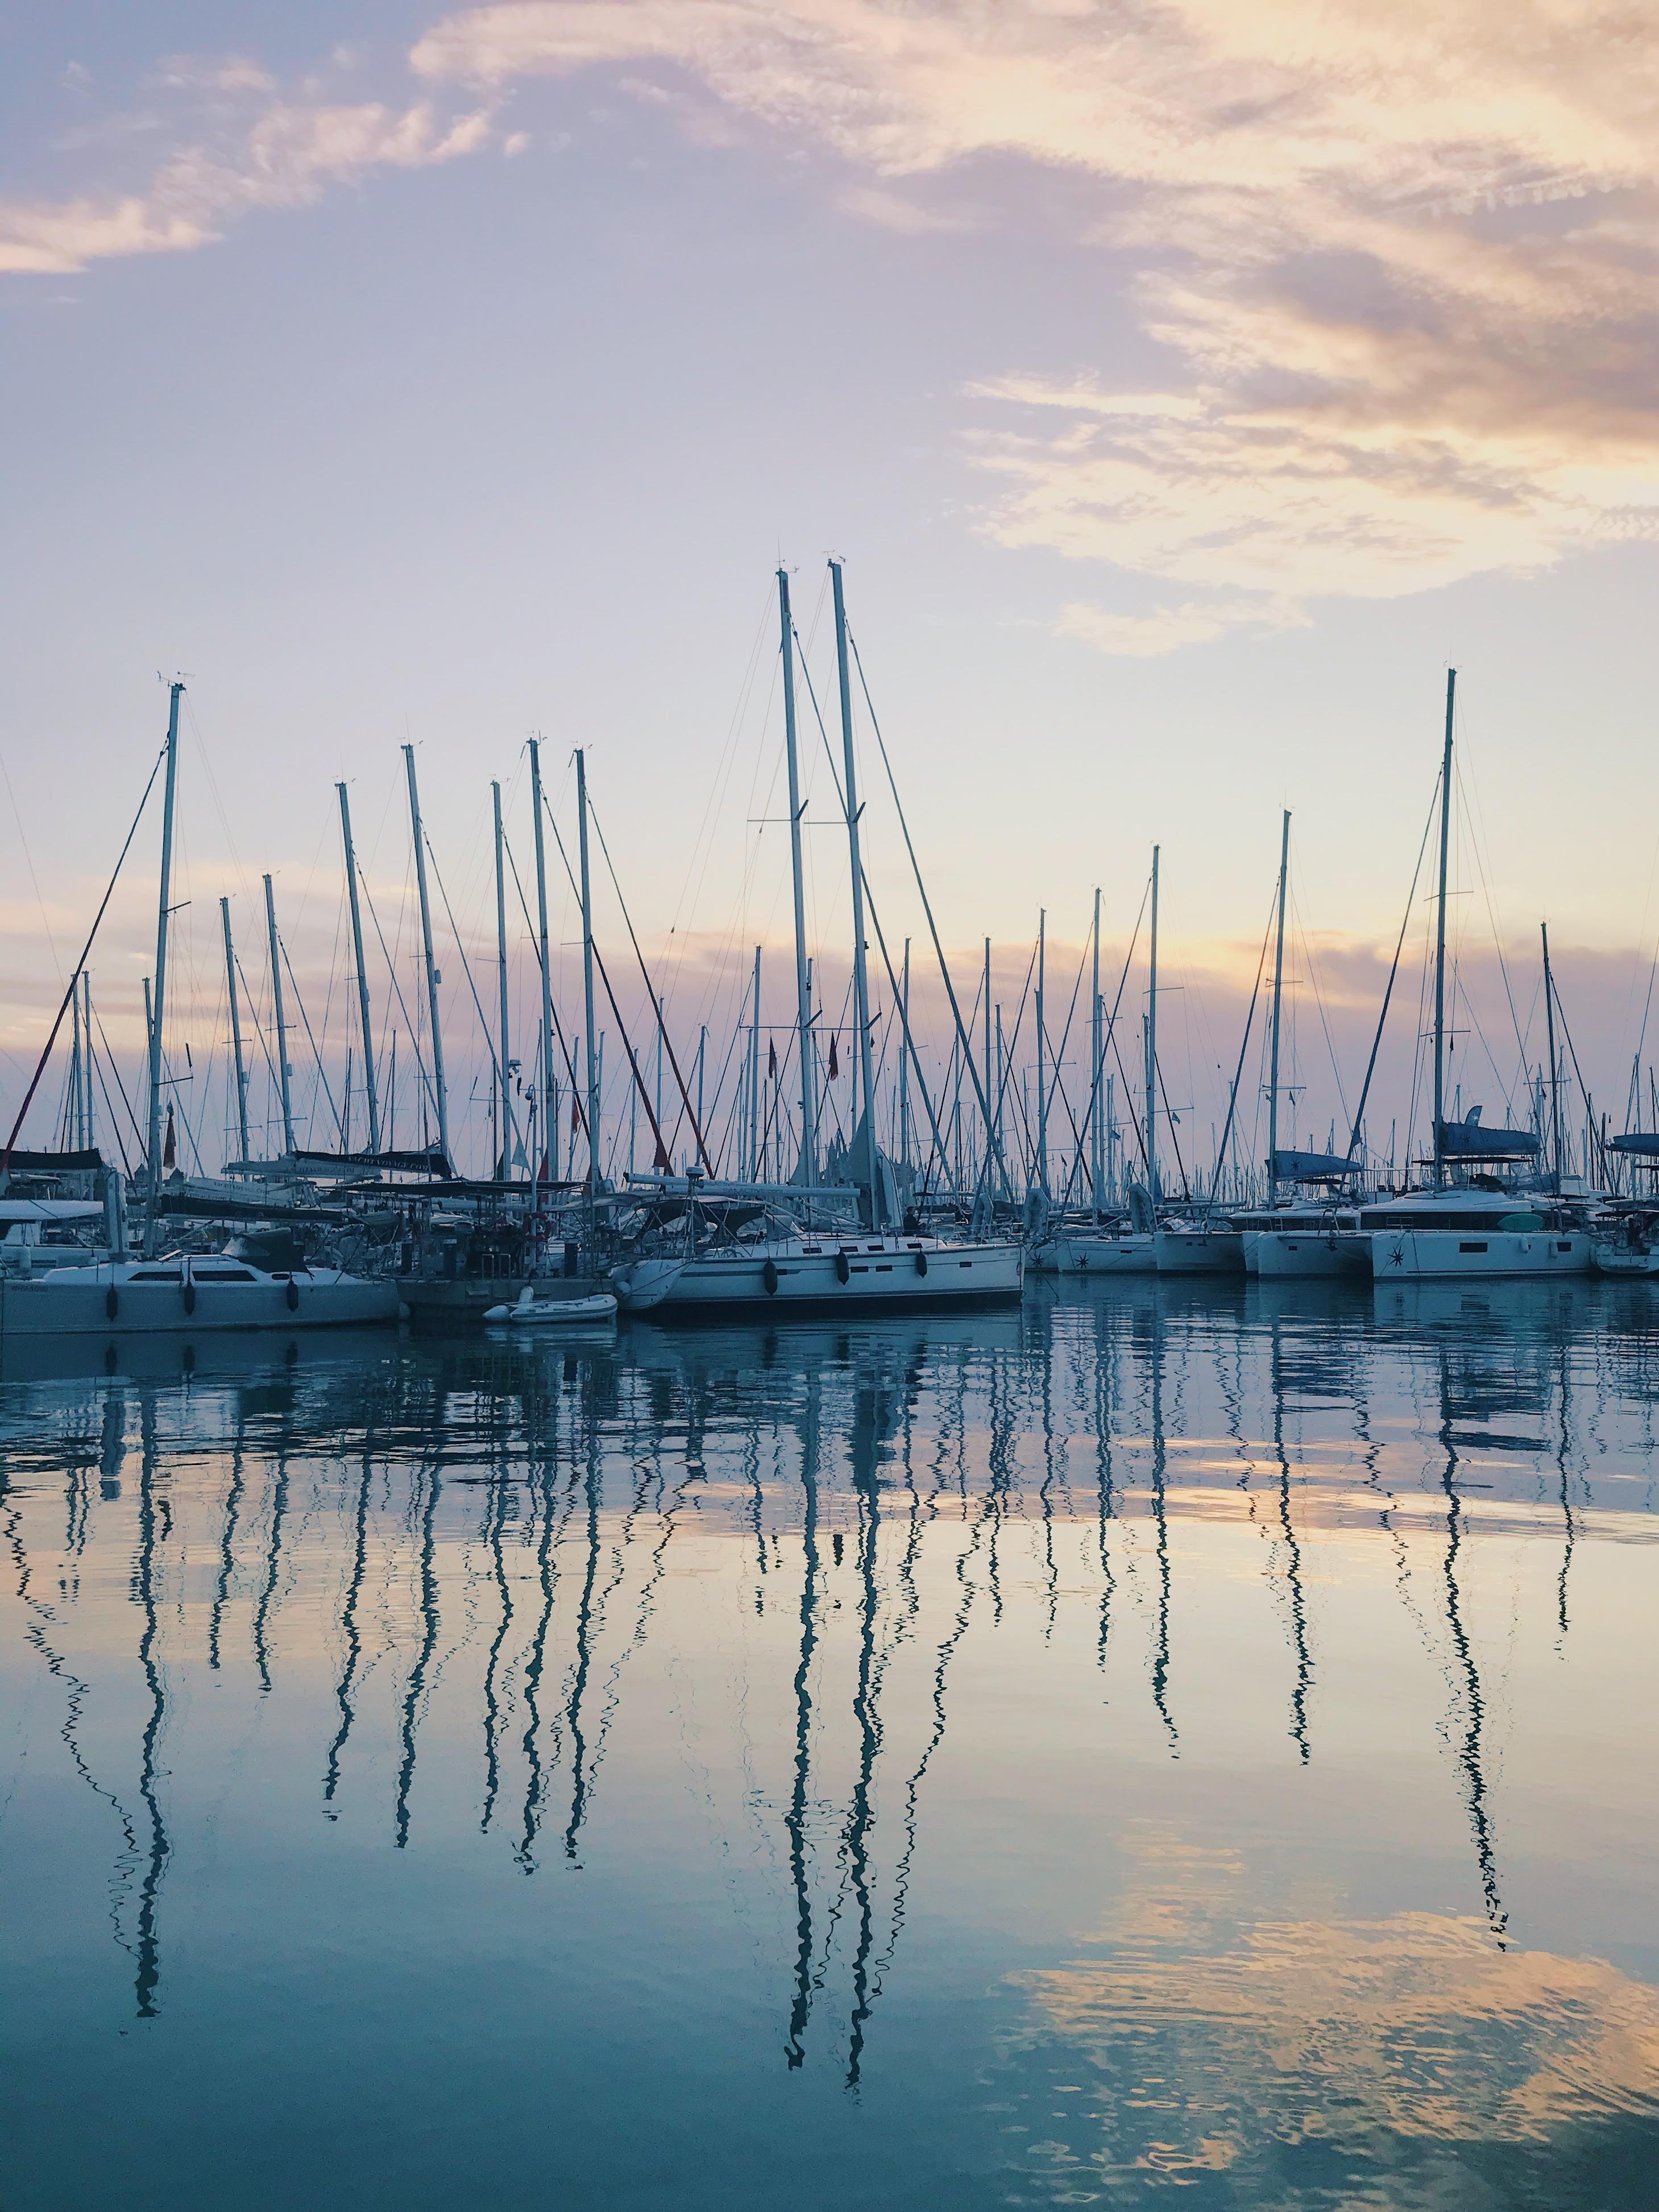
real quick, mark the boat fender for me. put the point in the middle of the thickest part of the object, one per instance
(190, 1298)
(111, 1302)
(922, 1263)
(769, 1277)
(843, 1270)
(292, 1294)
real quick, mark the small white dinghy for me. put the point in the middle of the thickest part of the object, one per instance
(531, 1311)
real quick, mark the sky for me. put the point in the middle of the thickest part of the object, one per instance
(1185, 387)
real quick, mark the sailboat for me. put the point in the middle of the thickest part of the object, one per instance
(119, 1295)
(742, 1245)
(1475, 1226)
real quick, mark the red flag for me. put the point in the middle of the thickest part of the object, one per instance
(169, 1148)
(834, 1065)
(575, 1115)
(771, 1059)
(542, 1172)
(662, 1160)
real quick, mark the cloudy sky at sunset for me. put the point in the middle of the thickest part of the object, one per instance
(1185, 386)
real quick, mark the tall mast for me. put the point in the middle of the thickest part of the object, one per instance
(1279, 985)
(587, 986)
(1042, 1039)
(988, 1148)
(1440, 940)
(860, 978)
(1555, 1085)
(803, 987)
(86, 1032)
(432, 976)
(550, 1135)
(904, 1067)
(235, 1027)
(1097, 1053)
(159, 1016)
(370, 1097)
(283, 1071)
(77, 1115)
(505, 1169)
(754, 1076)
(1151, 1046)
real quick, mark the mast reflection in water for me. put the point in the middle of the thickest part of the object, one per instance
(1060, 1754)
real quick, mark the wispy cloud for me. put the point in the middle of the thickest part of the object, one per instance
(1402, 265)
(238, 143)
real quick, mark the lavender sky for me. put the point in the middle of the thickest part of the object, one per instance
(1185, 387)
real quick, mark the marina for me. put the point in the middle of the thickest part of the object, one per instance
(830, 1108)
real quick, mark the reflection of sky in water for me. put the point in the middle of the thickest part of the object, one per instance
(1203, 2039)
(1177, 1739)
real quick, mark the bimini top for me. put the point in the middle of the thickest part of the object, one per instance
(1640, 1145)
(1312, 1167)
(1467, 1140)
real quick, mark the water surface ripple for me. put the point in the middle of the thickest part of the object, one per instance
(1175, 1738)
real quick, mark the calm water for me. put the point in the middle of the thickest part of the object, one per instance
(1161, 1740)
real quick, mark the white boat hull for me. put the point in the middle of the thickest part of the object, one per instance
(1084, 1255)
(639, 1285)
(555, 1313)
(1471, 1255)
(1199, 1251)
(1279, 1254)
(878, 1271)
(77, 1301)
(1620, 1259)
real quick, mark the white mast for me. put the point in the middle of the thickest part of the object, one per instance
(1440, 940)
(504, 1167)
(158, 1014)
(1042, 1089)
(433, 977)
(860, 977)
(284, 1073)
(369, 1094)
(550, 1134)
(86, 1032)
(1152, 1047)
(754, 1076)
(803, 987)
(235, 1027)
(1279, 982)
(587, 985)
(1098, 1054)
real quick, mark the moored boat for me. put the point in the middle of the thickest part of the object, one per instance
(196, 1293)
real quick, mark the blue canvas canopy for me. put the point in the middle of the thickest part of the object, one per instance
(1467, 1140)
(1312, 1167)
(1640, 1145)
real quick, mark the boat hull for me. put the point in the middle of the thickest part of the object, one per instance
(1468, 1255)
(1281, 1253)
(878, 1275)
(58, 1305)
(1199, 1251)
(1082, 1254)
(1619, 1260)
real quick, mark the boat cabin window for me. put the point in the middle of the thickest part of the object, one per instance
(1474, 1246)
(156, 1275)
(222, 1275)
